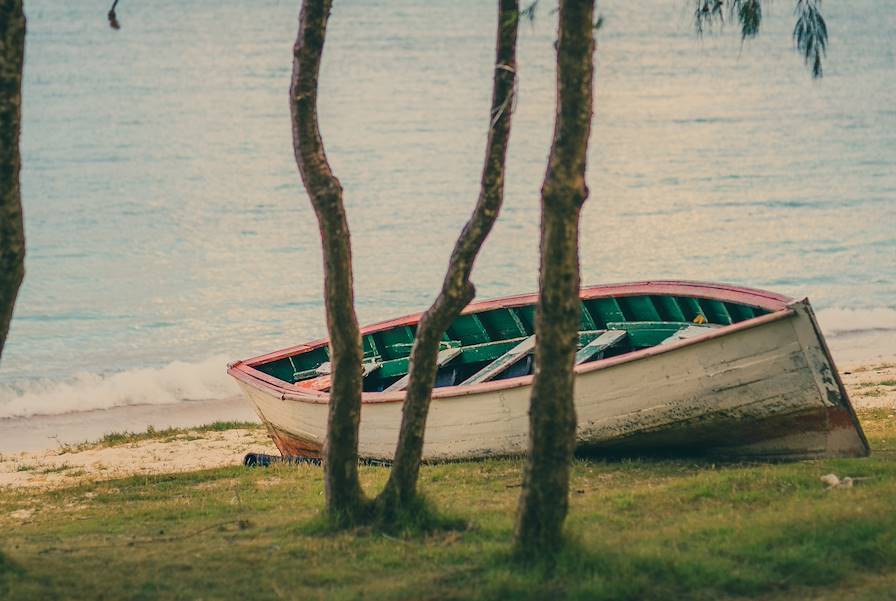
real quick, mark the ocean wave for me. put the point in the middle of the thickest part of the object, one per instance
(838, 321)
(176, 382)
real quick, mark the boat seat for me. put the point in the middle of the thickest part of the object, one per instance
(691, 331)
(320, 377)
(444, 357)
(502, 363)
(595, 349)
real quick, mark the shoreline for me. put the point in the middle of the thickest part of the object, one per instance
(871, 385)
(161, 452)
(139, 404)
(47, 432)
(190, 446)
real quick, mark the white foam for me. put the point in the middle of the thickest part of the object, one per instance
(176, 382)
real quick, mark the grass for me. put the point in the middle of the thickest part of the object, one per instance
(54, 469)
(878, 383)
(639, 529)
(114, 439)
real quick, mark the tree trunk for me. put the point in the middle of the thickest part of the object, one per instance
(457, 290)
(552, 421)
(12, 231)
(344, 497)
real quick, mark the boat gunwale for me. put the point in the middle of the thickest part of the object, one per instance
(777, 304)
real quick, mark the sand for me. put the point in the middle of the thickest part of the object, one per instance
(185, 452)
(869, 386)
(41, 432)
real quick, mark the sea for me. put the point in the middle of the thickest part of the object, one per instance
(168, 231)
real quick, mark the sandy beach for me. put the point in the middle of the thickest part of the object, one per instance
(188, 450)
(870, 386)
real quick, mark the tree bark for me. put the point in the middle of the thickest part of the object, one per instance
(344, 497)
(552, 421)
(457, 290)
(12, 231)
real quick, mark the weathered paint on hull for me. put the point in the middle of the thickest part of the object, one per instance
(764, 389)
(816, 433)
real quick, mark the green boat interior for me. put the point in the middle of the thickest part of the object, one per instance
(497, 343)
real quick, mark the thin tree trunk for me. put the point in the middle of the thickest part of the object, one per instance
(12, 231)
(345, 499)
(457, 290)
(552, 421)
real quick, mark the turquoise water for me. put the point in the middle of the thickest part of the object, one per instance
(168, 231)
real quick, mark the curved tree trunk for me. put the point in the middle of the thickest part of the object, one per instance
(12, 231)
(345, 499)
(552, 420)
(457, 290)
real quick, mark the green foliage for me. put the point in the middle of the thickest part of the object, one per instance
(638, 529)
(707, 13)
(810, 34)
(749, 14)
(530, 11)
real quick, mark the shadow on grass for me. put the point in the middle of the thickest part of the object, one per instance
(693, 456)
(798, 554)
(418, 519)
(9, 571)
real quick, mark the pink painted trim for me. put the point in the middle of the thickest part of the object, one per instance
(723, 292)
(770, 301)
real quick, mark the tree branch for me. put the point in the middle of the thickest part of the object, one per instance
(113, 18)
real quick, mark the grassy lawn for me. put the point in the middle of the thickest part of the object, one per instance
(678, 529)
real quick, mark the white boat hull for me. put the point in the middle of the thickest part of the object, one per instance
(763, 388)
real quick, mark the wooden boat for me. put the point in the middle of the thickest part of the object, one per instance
(663, 367)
